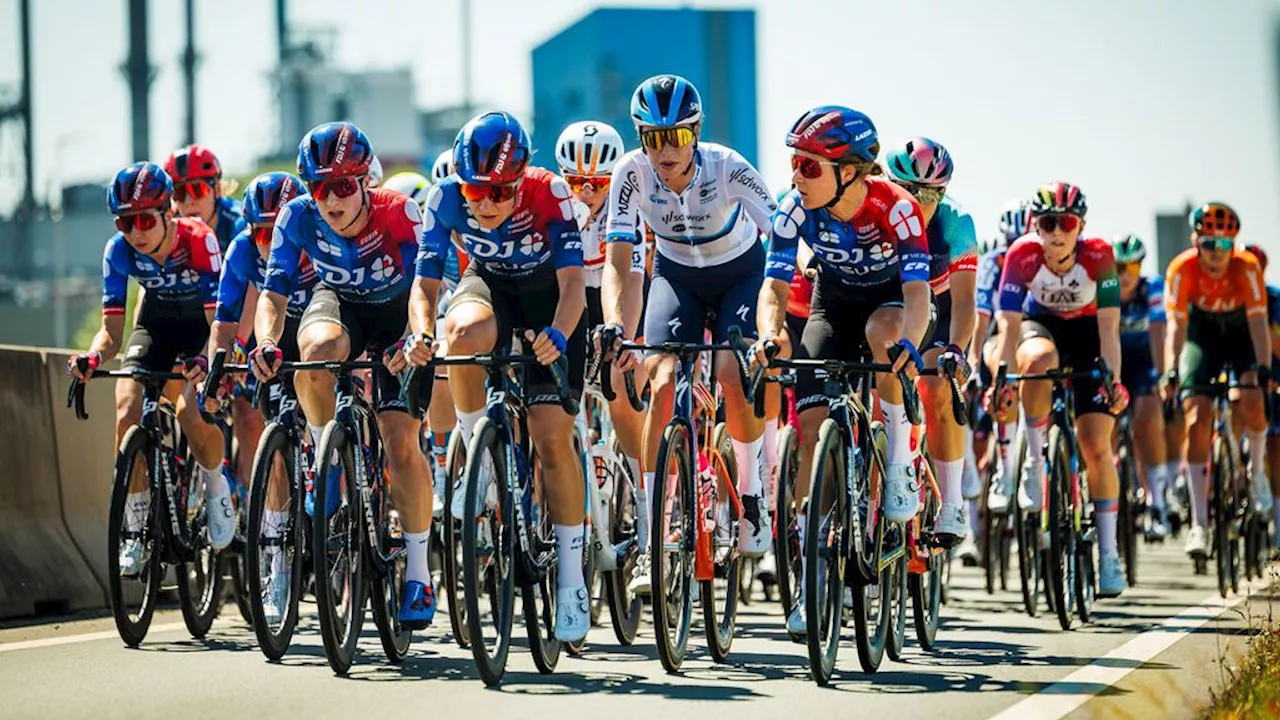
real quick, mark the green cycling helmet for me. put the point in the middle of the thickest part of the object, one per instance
(1128, 248)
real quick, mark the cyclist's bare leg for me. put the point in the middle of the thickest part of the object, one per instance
(552, 432)
(410, 475)
(1198, 412)
(316, 342)
(128, 414)
(469, 328)
(1036, 355)
(884, 328)
(662, 375)
(1251, 418)
(203, 439)
(1093, 430)
(628, 425)
(1148, 436)
(810, 420)
(247, 424)
(945, 437)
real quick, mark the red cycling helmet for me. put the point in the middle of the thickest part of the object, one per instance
(193, 162)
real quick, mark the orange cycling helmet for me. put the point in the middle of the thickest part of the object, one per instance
(1215, 219)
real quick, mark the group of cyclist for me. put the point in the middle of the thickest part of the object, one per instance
(679, 240)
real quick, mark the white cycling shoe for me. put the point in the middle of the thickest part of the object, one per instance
(901, 492)
(573, 614)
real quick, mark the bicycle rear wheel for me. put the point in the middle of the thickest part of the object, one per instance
(385, 585)
(1128, 520)
(992, 523)
(673, 514)
(337, 550)
(199, 575)
(926, 600)
(719, 596)
(1084, 578)
(134, 598)
(1061, 558)
(871, 609)
(1223, 514)
(824, 553)
(456, 461)
(786, 537)
(538, 585)
(488, 551)
(284, 549)
(896, 637)
(625, 608)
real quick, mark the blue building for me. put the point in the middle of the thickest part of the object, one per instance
(590, 69)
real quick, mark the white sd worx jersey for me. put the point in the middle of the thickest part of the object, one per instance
(593, 244)
(715, 220)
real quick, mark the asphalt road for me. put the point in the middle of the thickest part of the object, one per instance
(1159, 651)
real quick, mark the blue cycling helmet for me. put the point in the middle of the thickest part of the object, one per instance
(839, 134)
(141, 186)
(336, 149)
(491, 149)
(666, 101)
(269, 192)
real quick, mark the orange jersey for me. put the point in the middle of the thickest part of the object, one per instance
(1241, 286)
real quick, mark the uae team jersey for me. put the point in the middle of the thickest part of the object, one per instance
(883, 243)
(541, 235)
(718, 218)
(189, 274)
(372, 267)
(244, 266)
(953, 244)
(1028, 284)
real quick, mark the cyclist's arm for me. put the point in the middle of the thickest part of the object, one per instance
(622, 231)
(573, 299)
(268, 322)
(1109, 338)
(1260, 334)
(1255, 303)
(804, 258)
(1175, 338)
(108, 338)
(771, 311)
(281, 276)
(1157, 333)
(963, 311)
(1010, 323)
(786, 249)
(982, 324)
(422, 305)
(618, 303)
(115, 292)
(915, 317)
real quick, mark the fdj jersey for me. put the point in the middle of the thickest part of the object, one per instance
(718, 218)
(953, 244)
(1138, 312)
(884, 242)
(540, 236)
(371, 267)
(189, 274)
(1091, 283)
(245, 266)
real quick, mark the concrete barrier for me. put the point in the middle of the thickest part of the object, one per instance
(41, 569)
(86, 461)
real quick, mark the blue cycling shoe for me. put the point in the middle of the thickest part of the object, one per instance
(417, 605)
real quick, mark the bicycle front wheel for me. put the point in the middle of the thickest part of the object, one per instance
(336, 549)
(825, 552)
(451, 531)
(671, 571)
(274, 554)
(199, 575)
(1128, 521)
(720, 619)
(1223, 514)
(134, 531)
(488, 552)
(1061, 558)
(625, 607)
(786, 537)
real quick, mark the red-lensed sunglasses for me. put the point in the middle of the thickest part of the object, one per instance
(495, 193)
(343, 187)
(1057, 221)
(142, 221)
(597, 183)
(198, 189)
(809, 168)
(262, 235)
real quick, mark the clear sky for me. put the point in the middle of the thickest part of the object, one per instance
(1143, 103)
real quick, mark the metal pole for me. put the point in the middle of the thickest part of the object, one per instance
(27, 208)
(189, 72)
(466, 55)
(140, 74)
(282, 29)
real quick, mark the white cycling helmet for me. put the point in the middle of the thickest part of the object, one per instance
(589, 148)
(411, 185)
(375, 172)
(443, 166)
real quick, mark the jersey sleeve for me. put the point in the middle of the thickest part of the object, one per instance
(624, 201)
(988, 281)
(962, 238)
(562, 226)
(408, 232)
(1255, 290)
(1105, 275)
(433, 246)
(1155, 300)
(906, 226)
(784, 238)
(234, 281)
(1019, 265)
(115, 276)
(286, 249)
(745, 185)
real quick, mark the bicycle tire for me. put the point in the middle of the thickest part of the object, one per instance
(455, 463)
(588, 555)
(992, 523)
(896, 637)
(824, 581)
(625, 608)
(340, 633)
(871, 613)
(720, 621)
(479, 577)
(274, 443)
(1061, 529)
(926, 601)
(538, 589)
(133, 625)
(199, 574)
(385, 586)
(672, 605)
(1222, 515)
(1127, 519)
(1084, 580)
(786, 540)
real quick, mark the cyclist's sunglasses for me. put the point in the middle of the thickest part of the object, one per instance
(1057, 221)
(343, 187)
(262, 235)
(197, 189)
(1222, 244)
(495, 193)
(1131, 268)
(598, 183)
(658, 138)
(925, 194)
(809, 168)
(142, 221)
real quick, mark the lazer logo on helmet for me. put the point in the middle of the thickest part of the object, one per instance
(862, 135)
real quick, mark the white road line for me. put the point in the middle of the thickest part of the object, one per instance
(82, 638)
(1069, 693)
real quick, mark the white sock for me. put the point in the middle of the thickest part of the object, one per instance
(569, 549)
(1157, 481)
(1034, 477)
(215, 486)
(1008, 433)
(1257, 452)
(467, 424)
(316, 432)
(748, 456)
(642, 511)
(1198, 479)
(950, 475)
(417, 561)
(633, 464)
(971, 479)
(1104, 516)
(136, 506)
(1171, 469)
(895, 421)
(274, 522)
